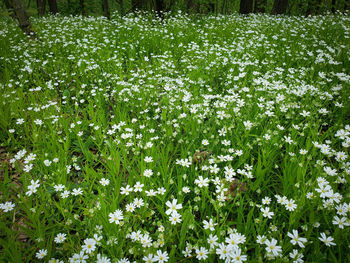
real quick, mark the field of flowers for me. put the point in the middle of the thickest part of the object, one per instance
(193, 138)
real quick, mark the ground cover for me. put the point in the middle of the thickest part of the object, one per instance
(217, 138)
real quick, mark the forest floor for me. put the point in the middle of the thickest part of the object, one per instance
(217, 138)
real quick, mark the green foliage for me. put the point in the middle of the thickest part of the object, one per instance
(216, 117)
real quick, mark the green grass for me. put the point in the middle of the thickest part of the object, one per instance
(99, 97)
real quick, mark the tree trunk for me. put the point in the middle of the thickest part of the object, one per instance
(279, 7)
(53, 7)
(246, 6)
(260, 6)
(105, 8)
(28, 5)
(22, 17)
(82, 5)
(41, 6)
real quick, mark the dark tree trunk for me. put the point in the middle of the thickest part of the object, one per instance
(22, 17)
(260, 6)
(41, 6)
(279, 7)
(53, 7)
(105, 8)
(28, 5)
(246, 6)
(82, 6)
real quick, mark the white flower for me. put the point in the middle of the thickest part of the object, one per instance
(290, 205)
(6, 207)
(173, 206)
(146, 240)
(233, 240)
(60, 238)
(104, 182)
(187, 252)
(236, 255)
(148, 259)
(161, 190)
(54, 260)
(89, 245)
(77, 191)
(78, 258)
(147, 173)
(65, 194)
(272, 248)
(130, 207)
(266, 212)
(41, 254)
(123, 260)
(327, 240)
(138, 187)
(126, 190)
(59, 187)
(205, 142)
(138, 202)
(266, 200)
(116, 217)
(296, 239)
(212, 240)
(209, 224)
(20, 121)
(161, 256)
(298, 257)
(33, 187)
(303, 151)
(261, 239)
(222, 251)
(148, 159)
(341, 222)
(47, 162)
(202, 253)
(186, 190)
(38, 122)
(202, 181)
(175, 218)
(102, 259)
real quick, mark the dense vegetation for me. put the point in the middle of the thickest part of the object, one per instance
(105, 7)
(182, 138)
